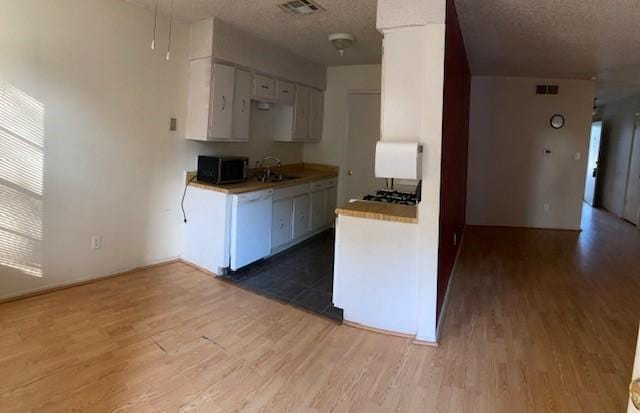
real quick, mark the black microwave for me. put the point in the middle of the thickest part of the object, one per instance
(222, 170)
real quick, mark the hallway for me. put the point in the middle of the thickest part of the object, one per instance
(537, 317)
(538, 321)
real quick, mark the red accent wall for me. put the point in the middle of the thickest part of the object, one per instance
(455, 140)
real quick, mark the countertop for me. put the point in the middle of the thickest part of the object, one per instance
(305, 172)
(407, 214)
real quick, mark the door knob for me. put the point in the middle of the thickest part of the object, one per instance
(634, 393)
(350, 172)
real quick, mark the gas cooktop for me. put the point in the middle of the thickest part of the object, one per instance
(393, 197)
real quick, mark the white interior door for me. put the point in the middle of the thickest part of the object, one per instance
(632, 200)
(592, 163)
(635, 386)
(363, 131)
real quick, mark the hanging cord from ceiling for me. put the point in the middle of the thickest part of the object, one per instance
(155, 26)
(170, 30)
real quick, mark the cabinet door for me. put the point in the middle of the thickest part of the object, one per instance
(199, 99)
(330, 205)
(316, 108)
(301, 116)
(281, 224)
(222, 102)
(241, 106)
(264, 87)
(285, 92)
(318, 215)
(301, 207)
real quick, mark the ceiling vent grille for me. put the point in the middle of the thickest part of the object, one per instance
(547, 89)
(301, 7)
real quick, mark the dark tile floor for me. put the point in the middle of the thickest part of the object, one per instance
(301, 276)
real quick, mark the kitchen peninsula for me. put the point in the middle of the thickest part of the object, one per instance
(376, 262)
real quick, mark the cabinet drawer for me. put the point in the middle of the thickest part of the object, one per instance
(320, 185)
(330, 183)
(291, 192)
(286, 92)
(263, 87)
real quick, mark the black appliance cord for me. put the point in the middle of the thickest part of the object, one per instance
(184, 194)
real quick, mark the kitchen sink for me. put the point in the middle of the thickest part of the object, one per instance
(276, 178)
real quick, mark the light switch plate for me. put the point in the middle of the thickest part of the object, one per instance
(96, 242)
(578, 156)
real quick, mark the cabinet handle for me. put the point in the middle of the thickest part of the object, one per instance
(243, 105)
(224, 102)
(286, 92)
(264, 87)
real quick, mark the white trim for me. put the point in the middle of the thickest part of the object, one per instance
(445, 303)
(81, 281)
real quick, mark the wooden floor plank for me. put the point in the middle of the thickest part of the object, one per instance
(538, 321)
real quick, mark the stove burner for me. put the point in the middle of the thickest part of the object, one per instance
(393, 197)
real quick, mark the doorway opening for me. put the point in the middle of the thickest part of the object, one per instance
(631, 211)
(590, 187)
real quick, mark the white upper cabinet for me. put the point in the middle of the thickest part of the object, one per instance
(301, 122)
(264, 88)
(222, 90)
(199, 99)
(316, 107)
(301, 114)
(285, 92)
(241, 106)
(219, 102)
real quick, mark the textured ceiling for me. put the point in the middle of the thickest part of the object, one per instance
(556, 38)
(303, 35)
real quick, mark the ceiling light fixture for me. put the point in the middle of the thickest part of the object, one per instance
(170, 29)
(342, 41)
(155, 26)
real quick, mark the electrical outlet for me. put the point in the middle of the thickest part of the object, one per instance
(578, 156)
(96, 242)
(547, 207)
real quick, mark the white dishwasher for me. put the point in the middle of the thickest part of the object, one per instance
(250, 227)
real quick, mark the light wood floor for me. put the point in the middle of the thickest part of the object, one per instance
(538, 321)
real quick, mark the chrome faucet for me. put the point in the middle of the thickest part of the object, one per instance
(267, 169)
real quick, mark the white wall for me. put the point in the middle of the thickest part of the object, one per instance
(618, 120)
(111, 166)
(332, 149)
(510, 177)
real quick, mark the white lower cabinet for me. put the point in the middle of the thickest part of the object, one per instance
(281, 232)
(317, 210)
(301, 209)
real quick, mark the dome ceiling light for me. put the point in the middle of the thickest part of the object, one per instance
(342, 41)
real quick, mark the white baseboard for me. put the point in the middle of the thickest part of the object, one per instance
(79, 281)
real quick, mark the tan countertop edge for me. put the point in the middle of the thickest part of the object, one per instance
(407, 214)
(306, 172)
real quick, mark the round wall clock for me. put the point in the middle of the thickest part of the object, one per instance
(557, 121)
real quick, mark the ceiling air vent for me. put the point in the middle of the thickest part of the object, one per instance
(300, 7)
(547, 89)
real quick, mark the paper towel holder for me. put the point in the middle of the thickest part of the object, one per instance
(399, 160)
